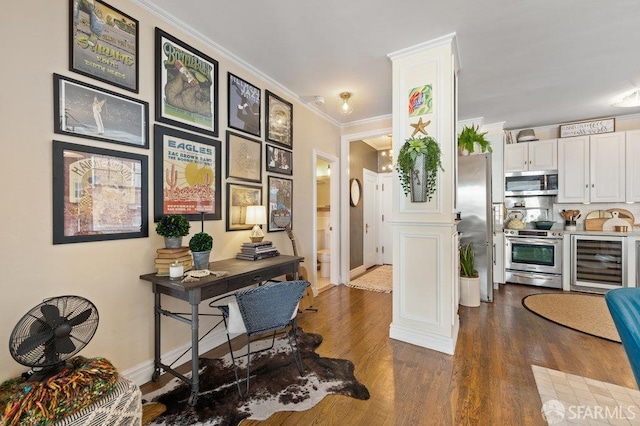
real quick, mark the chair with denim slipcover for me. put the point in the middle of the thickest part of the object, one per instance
(624, 305)
(268, 308)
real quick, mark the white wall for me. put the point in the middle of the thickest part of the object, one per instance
(37, 45)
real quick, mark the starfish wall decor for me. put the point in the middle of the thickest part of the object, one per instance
(420, 127)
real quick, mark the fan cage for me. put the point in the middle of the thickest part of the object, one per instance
(35, 326)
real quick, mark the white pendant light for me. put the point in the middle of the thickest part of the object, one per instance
(629, 101)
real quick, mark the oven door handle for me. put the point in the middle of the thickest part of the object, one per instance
(533, 241)
(529, 275)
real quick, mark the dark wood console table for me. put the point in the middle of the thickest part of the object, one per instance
(241, 273)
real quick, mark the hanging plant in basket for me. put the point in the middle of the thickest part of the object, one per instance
(418, 164)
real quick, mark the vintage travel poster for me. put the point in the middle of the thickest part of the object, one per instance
(104, 43)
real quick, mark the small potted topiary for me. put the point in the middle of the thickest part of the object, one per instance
(200, 245)
(173, 227)
(469, 138)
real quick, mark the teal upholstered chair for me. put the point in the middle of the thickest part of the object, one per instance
(624, 305)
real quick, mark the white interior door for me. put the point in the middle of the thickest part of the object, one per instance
(370, 223)
(386, 241)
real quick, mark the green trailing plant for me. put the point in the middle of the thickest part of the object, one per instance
(172, 226)
(407, 159)
(471, 136)
(467, 261)
(201, 242)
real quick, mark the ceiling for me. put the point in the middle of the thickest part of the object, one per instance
(527, 63)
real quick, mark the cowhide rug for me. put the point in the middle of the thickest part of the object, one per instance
(275, 385)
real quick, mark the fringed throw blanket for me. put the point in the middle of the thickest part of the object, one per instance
(75, 387)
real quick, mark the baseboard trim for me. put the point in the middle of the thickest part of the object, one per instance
(435, 342)
(142, 373)
(357, 271)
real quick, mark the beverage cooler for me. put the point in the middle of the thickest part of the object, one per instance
(598, 261)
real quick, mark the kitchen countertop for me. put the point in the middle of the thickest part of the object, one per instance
(583, 232)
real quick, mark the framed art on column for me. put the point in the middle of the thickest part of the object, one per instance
(187, 175)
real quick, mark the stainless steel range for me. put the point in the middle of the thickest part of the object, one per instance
(534, 257)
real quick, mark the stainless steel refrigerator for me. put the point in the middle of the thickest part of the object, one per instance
(473, 201)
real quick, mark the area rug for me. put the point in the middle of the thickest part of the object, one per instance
(379, 279)
(277, 386)
(572, 399)
(581, 312)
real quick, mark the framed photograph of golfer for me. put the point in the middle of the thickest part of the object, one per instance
(244, 105)
(187, 175)
(279, 120)
(238, 198)
(280, 203)
(98, 194)
(103, 43)
(88, 111)
(279, 160)
(186, 86)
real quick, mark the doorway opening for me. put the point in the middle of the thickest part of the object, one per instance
(349, 228)
(326, 207)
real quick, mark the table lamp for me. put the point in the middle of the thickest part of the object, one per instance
(256, 216)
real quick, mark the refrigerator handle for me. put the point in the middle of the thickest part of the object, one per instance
(494, 253)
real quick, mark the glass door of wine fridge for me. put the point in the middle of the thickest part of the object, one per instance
(598, 261)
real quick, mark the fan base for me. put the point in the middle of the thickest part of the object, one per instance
(45, 373)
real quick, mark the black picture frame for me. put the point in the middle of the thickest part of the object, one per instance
(244, 157)
(278, 160)
(80, 109)
(103, 43)
(279, 123)
(239, 196)
(280, 205)
(98, 194)
(244, 105)
(183, 164)
(186, 86)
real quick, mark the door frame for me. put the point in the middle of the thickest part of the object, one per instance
(345, 243)
(369, 175)
(337, 232)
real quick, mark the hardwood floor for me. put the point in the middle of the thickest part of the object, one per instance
(487, 382)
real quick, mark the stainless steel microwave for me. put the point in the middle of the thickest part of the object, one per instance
(531, 183)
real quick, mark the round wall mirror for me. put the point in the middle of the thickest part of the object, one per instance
(356, 191)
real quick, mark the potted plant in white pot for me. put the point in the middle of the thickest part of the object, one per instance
(200, 245)
(417, 165)
(469, 278)
(470, 138)
(173, 227)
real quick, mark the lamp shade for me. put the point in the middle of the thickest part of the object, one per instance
(256, 215)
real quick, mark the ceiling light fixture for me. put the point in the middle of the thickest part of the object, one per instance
(345, 106)
(632, 100)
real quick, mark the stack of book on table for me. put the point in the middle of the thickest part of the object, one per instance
(255, 251)
(167, 256)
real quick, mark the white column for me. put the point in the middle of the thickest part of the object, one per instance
(425, 245)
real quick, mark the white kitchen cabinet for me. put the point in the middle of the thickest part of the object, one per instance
(592, 169)
(632, 183)
(530, 156)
